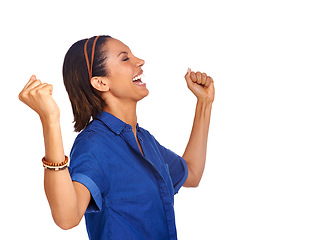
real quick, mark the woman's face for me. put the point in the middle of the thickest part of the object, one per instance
(124, 72)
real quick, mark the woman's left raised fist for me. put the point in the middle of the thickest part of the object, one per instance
(201, 85)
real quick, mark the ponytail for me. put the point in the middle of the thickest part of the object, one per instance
(86, 101)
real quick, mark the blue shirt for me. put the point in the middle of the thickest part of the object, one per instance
(132, 194)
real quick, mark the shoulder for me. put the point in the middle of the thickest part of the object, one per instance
(144, 131)
(96, 129)
(89, 149)
(91, 139)
(84, 143)
(146, 134)
(85, 138)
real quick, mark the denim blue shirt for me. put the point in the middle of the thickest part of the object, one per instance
(132, 194)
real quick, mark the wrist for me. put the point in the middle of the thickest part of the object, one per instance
(50, 120)
(50, 126)
(54, 151)
(205, 103)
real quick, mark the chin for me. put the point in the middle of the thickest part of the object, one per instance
(146, 93)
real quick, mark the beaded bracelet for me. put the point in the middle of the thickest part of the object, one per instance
(55, 166)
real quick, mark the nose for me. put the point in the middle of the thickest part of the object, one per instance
(140, 62)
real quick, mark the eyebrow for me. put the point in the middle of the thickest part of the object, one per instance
(122, 53)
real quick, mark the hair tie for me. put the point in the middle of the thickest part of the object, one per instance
(90, 68)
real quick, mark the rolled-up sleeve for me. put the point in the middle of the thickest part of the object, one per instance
(177, 167)
(85, 169)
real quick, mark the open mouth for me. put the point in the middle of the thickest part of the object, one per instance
(137, 80)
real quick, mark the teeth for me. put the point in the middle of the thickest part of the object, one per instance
(138, 77)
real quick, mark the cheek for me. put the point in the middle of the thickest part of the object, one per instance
(122, 79)
(120, 84)
(122, 71)
(121, 75)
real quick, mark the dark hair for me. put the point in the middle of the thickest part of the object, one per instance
(86, 101)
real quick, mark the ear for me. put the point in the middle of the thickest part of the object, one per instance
(100, 83)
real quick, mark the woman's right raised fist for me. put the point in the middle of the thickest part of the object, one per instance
(38, 96)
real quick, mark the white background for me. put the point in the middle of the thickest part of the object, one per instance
(257, 182)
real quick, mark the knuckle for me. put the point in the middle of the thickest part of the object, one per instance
(41, 91)
(21, 96)
(37, 81)
(31, 92)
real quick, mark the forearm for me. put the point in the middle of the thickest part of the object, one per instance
(68, 200)
(195, 152)
(58, 185)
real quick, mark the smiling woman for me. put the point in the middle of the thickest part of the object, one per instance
(120, 178)
(120, 89)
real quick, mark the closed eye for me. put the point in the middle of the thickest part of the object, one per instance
(125, 59)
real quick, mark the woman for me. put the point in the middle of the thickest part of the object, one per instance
(120, 177)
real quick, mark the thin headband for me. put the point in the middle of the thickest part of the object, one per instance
(90, 69)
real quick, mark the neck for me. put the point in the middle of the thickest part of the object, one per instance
(125, 112)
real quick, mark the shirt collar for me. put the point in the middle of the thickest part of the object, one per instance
(113, 123)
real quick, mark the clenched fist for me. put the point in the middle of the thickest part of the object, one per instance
(201, 85)
(38, 96)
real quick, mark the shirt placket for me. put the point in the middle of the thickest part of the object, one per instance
(128, 136)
